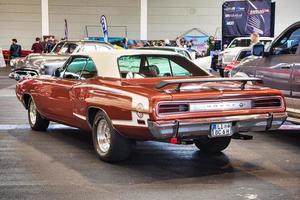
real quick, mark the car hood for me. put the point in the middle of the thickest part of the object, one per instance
(35, 61)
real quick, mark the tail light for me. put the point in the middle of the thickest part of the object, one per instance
(167, 108)
(265, 103)
(172, 108)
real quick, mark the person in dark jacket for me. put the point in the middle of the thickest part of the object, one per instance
(15, 49)
(37, 47)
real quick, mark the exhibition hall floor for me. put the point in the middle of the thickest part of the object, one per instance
(61, 164)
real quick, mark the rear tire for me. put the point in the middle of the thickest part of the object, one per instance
(212, 145)
(109, 145)
(36, 121)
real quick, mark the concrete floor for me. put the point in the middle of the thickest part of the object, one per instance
(61, 164)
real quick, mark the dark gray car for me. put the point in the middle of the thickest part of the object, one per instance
(279, 68)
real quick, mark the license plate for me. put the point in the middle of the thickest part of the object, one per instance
(221, 130)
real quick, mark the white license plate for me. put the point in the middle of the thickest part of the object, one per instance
(221, 130)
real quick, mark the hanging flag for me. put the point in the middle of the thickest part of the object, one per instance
(66, 30)
(104, 28)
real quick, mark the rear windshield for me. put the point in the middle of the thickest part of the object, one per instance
(146, 66)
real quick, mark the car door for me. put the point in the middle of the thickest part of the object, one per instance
(58, 101)
(294, 111)
(276, 69)
(277, 76)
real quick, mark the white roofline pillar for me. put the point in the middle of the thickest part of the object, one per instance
(45, 17)
(144, 20)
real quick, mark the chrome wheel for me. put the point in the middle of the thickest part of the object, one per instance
(32, 112)
(103, 135)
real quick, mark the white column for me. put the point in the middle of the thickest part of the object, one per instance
(45, 17)
(144, 20)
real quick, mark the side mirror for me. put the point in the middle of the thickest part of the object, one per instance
(258, 50)
(57, 72)
(17, 77)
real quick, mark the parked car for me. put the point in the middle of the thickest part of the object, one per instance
(182, 51)
(241, 56)
(278, 67)
(6, 54)
(37, 64)
(126, 95)
(204, 62)
(238, 44)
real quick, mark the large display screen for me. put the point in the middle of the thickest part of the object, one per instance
(241, 18)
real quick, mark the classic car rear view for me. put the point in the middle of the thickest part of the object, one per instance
(127, 96)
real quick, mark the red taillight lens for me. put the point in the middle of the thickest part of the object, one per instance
(264, 103)
(172, 108)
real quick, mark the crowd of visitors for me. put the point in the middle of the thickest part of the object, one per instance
(38, 46)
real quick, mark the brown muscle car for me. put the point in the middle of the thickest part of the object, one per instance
(138, 95)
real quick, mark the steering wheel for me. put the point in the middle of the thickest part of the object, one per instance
(131, 75)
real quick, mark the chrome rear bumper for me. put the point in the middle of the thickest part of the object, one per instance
(190, 128)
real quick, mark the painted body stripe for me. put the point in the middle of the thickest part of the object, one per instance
(137, 100)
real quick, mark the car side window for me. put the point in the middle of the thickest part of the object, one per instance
(68, 48)
(244, 54)
(74, 68)
(287, 44)
(100, 48)
(89, 48)
(129, 64)
(89, 70)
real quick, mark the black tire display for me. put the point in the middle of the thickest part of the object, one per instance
(36, 121)
(212, 145)
(109, 144)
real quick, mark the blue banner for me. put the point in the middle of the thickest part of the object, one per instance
(103, 22)
(241, 18)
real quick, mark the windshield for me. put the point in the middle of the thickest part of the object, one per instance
(247, 43)
(146, 66)
(65, 48)
(57, 47)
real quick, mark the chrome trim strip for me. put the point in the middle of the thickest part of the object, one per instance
(79, 116)
(215, 101)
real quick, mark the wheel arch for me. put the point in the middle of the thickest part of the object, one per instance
(26, 97)
(91, 113)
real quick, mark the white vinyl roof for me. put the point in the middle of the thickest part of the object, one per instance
(107, 61)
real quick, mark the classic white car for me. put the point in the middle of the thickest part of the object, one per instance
(237, 45)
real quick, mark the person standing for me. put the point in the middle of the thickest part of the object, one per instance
(254, 37)
(46, 45)
(15, 49)
(37, 47)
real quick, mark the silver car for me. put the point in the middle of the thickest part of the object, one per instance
(37, 64)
